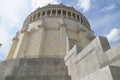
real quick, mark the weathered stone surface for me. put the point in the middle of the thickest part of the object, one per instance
(115, 71)
(37, 78)
(34, 69)
(106, 73)
(94, 57)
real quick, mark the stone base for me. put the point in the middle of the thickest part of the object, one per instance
(34, 69)
(49, 69)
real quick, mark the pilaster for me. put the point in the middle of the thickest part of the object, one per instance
(13, 47)
(41, 39)
(63, 39)
(22, 45)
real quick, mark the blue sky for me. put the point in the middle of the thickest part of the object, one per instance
(103, 15)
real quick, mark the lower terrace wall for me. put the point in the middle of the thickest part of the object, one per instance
(89, 60)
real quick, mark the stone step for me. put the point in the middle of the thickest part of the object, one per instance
(38, 78)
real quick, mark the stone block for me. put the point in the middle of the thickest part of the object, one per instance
(34, 69)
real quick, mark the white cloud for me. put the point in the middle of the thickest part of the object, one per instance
(12, 14)
(84, 4)
(40, 3)
(108, 8)
(107, 20)
(114, 35)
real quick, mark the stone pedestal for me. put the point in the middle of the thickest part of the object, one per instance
(34, 69)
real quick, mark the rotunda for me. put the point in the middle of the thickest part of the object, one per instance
(51, 31)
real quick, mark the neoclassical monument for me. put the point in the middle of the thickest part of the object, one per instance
(57, 43)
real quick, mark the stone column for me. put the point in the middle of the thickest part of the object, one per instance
(40, 14)
(71, 15)
(56, 12)
(13, 47)
(68, 45)
(51, 12)
(46, 13)
(66, 13)
(61, 12)
(63, 40)
(79, 19)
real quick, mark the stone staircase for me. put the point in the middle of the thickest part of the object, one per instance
(34, 69)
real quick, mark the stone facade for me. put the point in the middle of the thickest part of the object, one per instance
(51, 31)
(57, 43)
